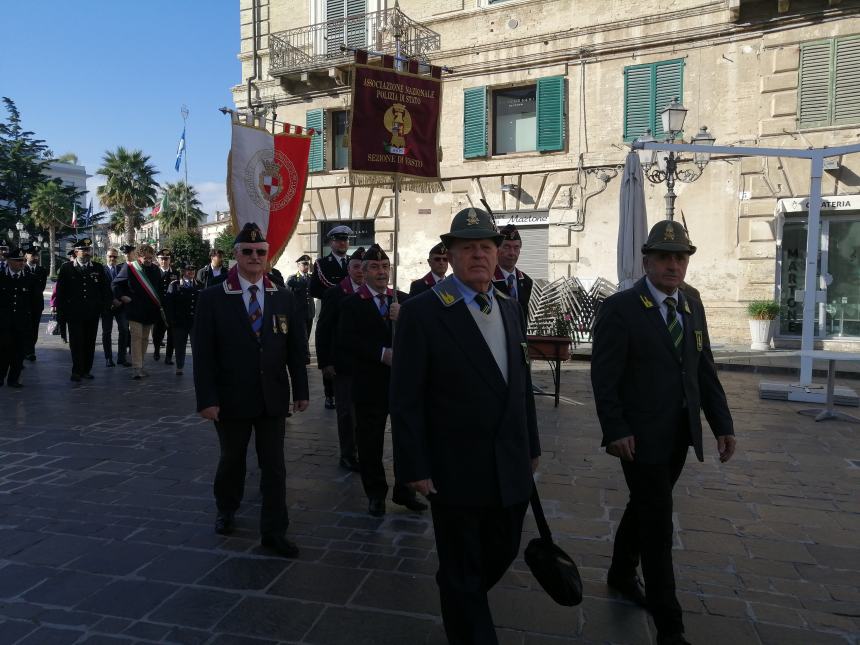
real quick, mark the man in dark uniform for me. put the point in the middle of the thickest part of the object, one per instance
(161, 328)
(214, 272)
(115, 312)
(336, 364)
(83, 294)
(366, 330)
(327, 273)
(438, 261)
(508, 278)
(464, 425)
(299, 283)
(40, 275)
(179, 305)
(652, 372)
(246, 338)
(4, 250)
(21, 301)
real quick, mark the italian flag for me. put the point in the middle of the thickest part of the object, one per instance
(159, 206)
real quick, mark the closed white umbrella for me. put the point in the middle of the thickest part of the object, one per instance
(632, 223)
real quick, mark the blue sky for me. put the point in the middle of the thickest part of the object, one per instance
(91, 75)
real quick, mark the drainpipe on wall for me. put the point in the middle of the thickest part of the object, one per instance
(254, 76)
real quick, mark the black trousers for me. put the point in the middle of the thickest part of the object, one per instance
(475, 547)
(159, 330)
(82, 344)
(180, 344)
(370, 421)
(14, 344)
(345, 415)
(37, 318)
(233, 436)
(122, 334)
(645, 532)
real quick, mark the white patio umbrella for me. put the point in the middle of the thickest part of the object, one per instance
(632, 223)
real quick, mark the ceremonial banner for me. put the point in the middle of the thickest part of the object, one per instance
(266, 179)
(394, 128)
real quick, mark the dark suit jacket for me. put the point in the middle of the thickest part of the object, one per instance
(82, 293)
(141, 309)
(640, 385)
(206, 279)
(424, 284)
(453, 417)
(524, 288)
(362, 333)
(327, 273)
(327, 325)
(247, 376)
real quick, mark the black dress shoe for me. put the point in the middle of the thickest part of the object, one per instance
(109, 363)
(225, 523)
(168, 361)
(630, 587)
(376, 507)
(156, 355)
(75, 377)
(280, 545)
(125, 363)
(412, 503)
(329, 403)
(350, 463)
(31, 357)
(16, 384)
(88, 376)
(672, 639)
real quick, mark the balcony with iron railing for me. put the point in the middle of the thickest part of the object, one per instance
(297, 53)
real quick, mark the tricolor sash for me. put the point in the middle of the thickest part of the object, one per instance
(136, 269)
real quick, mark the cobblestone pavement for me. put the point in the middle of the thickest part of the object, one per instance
(106, 536)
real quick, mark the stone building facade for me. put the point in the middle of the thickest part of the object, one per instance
(770, 73)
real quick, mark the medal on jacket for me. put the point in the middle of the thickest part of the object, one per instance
(698, 334)
(526, 358)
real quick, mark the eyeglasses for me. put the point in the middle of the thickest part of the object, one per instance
(260, 252)
(438, 258)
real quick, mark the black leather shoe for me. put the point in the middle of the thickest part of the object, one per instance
(349, 463)
(412, 503)
(672, 639)
(280, 545)
(88, 376)
(329, 403)
(31, 357)
(125, 363)
(156, 355)
(16, 384)
(168, 361)
(376, 507)
(109, 363)
(629, 587)
(225, 523)
(75, 377)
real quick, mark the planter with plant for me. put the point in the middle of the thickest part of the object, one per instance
(762, 314)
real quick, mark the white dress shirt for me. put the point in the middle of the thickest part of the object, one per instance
(246, 294)
(660, 299)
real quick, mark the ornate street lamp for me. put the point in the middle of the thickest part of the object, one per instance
(659, 167)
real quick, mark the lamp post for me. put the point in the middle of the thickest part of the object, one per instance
(659, 167)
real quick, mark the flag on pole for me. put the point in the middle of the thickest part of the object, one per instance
(87, 218)
(179, 150)
(74, 215)
(159, 206)
(266, 179)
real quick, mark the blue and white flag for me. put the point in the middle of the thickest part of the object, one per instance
(180, 149)
(87, 217)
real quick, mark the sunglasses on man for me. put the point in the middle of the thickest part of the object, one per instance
(112, 257)
(260, 252)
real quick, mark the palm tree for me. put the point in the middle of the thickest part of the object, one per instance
(50, 209)
(130, 186)
(173, 216)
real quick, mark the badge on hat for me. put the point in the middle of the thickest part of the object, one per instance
(358, 254)
(341, 232)
(375, 254)
(250, 234)
(510, 233)
(304, 258)
(84, 243)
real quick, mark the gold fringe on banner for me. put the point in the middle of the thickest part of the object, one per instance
(407, 184)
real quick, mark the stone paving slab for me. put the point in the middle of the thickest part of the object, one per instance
(106, 534)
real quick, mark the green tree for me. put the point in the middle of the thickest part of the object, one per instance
(224, 242)
(130, 187)
(51, 210)
(172, 216)
(68, 157)
(188, 246)
(23, 160)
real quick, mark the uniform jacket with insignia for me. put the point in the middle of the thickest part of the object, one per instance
(424, 284)
(141, 309)
(166, 278)
(83, 293)
(641, 386)
(453, 417)
(299, 284)
(327, 273)
(327, 325)
(21, 302)
(524, 287)
(180, 303)
(248, 376)
(41, 275)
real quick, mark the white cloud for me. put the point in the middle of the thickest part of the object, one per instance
(212, 195)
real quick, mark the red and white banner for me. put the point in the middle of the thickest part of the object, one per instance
(266, 179)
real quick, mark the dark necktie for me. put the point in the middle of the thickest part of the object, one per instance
(343, 264)
(512, 286)
(254, 313)
(675, 330)
(484, 303)
(383, 304)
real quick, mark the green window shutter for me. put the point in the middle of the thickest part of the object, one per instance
(474, 122)
(815, 73)
(846, 82)
(638, 105)
(316, 160)
(668, 85)
(550, 114)
(355, 29)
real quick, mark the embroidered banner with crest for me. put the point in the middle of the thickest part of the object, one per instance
(394, 128)
(266, 179)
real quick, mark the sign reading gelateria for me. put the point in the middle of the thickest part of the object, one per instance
(522, 219)
(837, 203)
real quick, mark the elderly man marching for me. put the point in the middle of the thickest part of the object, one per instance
(438, 261)
(249, 348)
(652, 372)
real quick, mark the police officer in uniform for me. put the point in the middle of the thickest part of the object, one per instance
(336, 363)
(438, 261)
(179, 305)
(464, 425)
(21, 301)
(40, 275)
(248, 346)
(83, 294)
(508, 278)
(299, 283)
(653, 372)
(161, 328)
(366, 330)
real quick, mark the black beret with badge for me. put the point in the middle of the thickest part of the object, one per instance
(510, 233)
(358, 254)
(439, 249)
(250, 234)
(668, 235)
(375, 254)
(472, 224)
